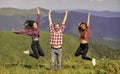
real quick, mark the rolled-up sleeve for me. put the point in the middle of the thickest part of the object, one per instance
(51, 27)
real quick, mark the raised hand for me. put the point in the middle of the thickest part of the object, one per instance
(89, 13)
(38, 11)
(66, 12)
(50, 11)
(12, 30)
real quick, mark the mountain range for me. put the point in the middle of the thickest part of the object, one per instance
(105, 25)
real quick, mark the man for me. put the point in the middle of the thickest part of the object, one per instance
(56, 36)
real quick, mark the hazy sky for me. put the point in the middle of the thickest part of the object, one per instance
(98, 5)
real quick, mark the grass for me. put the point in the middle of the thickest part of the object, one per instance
(13, 61)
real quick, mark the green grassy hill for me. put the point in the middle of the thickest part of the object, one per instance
(13, 61)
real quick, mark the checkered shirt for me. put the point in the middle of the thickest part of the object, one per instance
(56, 37)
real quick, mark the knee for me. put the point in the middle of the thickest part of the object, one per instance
(75, 55)
(52, 60)
(83, 57)
(43, 54)
(59, 61)
(37, 57)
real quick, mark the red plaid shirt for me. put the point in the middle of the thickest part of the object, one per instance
(56, 36)
(33, 33)
(86, 37)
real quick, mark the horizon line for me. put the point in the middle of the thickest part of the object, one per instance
(59, 9)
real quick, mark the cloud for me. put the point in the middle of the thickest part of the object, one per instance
(112, 5)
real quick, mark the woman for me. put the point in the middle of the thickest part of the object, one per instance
(32, 29)
(84, 31)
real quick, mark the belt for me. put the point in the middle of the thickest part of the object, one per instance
(56, 48)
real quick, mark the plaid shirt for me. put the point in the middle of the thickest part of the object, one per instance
(56, 36)
(86, 37)
(33, 33)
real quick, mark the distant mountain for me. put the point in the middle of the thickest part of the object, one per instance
(101, 13)
(14, 11)
(14, 18)
(102, 27)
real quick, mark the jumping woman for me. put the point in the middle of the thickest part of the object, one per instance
(84, 31)
(32, 29)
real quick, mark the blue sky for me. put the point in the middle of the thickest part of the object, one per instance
(97, 5)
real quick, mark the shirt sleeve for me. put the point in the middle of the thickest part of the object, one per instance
(63, 27)
(20, 32)
(23, 32)
(51, 27)
(88, 29)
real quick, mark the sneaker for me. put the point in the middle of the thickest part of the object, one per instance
(27, 52)
(93, 61)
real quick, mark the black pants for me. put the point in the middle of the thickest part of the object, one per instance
(82, 50)
(37, 50)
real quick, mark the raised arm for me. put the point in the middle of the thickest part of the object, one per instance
(49, 18)
(38, 17)
(38, 11)
(65, 18)
(88, 20)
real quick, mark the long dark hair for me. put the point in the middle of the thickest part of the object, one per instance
(29, 24)
(81, 30)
